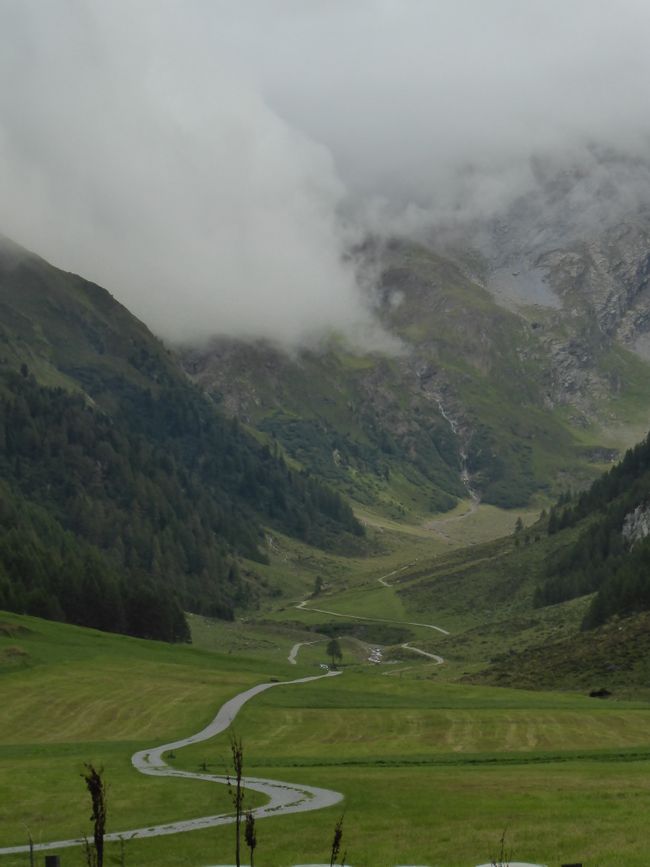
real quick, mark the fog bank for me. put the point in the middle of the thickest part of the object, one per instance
(212, 162)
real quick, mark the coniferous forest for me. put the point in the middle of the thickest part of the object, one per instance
(120, 521)
(602, 560)
(127, 496)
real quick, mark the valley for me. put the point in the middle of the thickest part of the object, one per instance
(270, 504)
(324, 434)
(431, 765)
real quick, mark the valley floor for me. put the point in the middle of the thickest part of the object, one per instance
(432, 769)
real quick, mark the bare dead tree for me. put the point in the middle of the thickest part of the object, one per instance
(336, 841)
(31, 848)
(250, 835)
(503, 857)
(89, 853)
(97, 790)
(237, 791)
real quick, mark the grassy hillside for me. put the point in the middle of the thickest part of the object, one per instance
(520, 610)
(101, 431)
(561, 603)
(346, 418)
(72, 333)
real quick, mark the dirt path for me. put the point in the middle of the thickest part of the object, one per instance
(293, 653)
(303, 607)
(383, 581)
(435, 656)
(283, 797)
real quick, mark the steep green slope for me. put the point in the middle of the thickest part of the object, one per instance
(131, 459)
(481, 363)
(345, 418)
(71, 332)
(612, 552)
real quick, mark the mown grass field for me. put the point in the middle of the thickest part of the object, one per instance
(72, 695)
(431, 772)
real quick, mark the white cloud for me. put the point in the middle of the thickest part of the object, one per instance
(170, 182)
(195, 157)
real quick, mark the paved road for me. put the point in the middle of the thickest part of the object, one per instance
(283, 797)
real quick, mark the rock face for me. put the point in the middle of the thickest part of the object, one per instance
(572, 255)
(636, 525)
(524, 331)
(606, 277)
(584, 293)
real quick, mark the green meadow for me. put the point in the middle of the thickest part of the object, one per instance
(432, 772)
(72, 695)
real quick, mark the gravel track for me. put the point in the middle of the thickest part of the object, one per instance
(293, 653)
(435, 656)
(383, 578)
(303, 606)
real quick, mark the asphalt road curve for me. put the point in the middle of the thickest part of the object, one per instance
(283, 797)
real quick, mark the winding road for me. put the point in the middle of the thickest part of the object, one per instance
(293, 653)
(283, 797)
(303, 606)
(383, 578)
(433, 656)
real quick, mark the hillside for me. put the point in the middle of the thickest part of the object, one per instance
(107, 442)
(561, 603)
(148, 494)
(512, 397)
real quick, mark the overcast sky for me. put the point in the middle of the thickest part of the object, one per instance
(209, 162)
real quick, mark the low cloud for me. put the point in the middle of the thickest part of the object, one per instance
(211, 163)
(172, 183)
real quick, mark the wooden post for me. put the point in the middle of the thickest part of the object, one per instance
(52, 861)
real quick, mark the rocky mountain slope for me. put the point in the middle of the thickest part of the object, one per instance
(520, 372)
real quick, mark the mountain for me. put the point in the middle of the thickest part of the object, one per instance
(515, 376)
(514, 366)
(126, 493)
